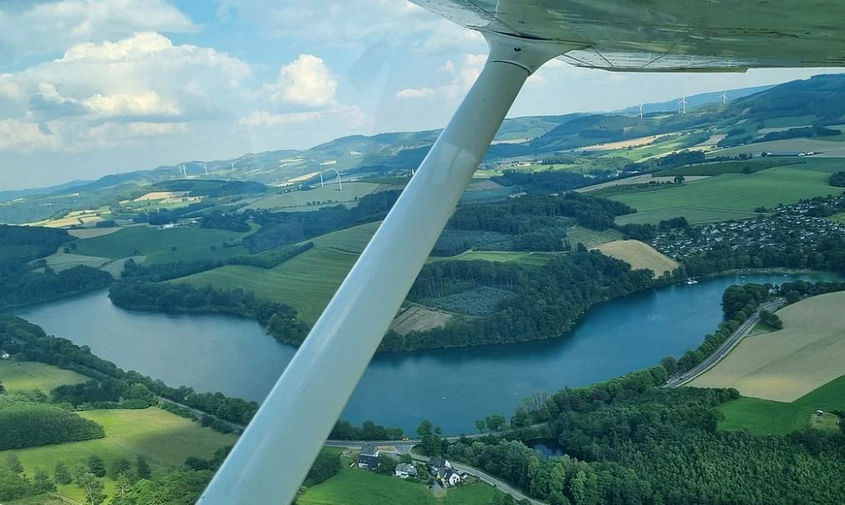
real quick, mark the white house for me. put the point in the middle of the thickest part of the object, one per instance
(405, 470)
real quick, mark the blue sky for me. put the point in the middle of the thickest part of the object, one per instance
(92, 87)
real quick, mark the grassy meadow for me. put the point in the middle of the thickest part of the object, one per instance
(163, 246)
(299, 200)
(591, 238)
(360, 487)
(306, 282)
(20, 376)
(787, 364)
(534, 258)
(764, 417)
(728, 196)
(639, 255)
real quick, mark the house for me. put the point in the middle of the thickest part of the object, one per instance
(368, 458)
(4, 355)
(443, 472)
(405, 470)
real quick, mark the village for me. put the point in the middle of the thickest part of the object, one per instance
(438, 471)
(805, 223)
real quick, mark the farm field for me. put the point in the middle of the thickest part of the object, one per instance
(825, 148)
(729, 196)
(62, 261)
(164, 439)
(92, 232)
(639, 255)
(360, 487)
(591, 238)
(637, 179)
(162, 246)
(839, 217)
(787, 364)
(524, 257)
(18, 376)
(730, 167)
(322, 195)
(76, 217)
(764, 417)
(305, 282)
(417, 318)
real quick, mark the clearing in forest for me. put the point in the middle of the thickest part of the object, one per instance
(639, 255)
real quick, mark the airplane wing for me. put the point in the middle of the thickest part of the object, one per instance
(667, 35)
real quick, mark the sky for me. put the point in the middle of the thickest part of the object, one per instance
(94, 87)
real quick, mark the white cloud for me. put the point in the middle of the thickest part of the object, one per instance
(305, 81)
(24, 136)
(349, 114)
(461, 77)
(46, 27)
(102, 94)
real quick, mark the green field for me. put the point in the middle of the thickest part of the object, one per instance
(163, 246)
(163, 438)
(762, 417)
(361, 487)
(20, 376)
(305, 282)
(328, 194)
(522, 257)
(839, 217)
(731, 167)
(729, 196)
(591, 238)
(828, 148)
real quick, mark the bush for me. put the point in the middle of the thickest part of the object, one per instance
(25, 424)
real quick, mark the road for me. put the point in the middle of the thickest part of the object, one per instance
(726, 347)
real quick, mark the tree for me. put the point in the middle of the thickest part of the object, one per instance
(120, 467)
(480, 425)
(679, 179)
(14, 463)
(93, 488)
(386, 464)
(96, 466)
(670, 364)
(41, 482)
(144, 471)
(61, 474)
(495, 422)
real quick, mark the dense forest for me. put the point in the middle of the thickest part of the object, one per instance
(30, 424)
(545, 302)
(837, 179)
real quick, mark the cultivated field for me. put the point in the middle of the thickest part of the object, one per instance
(639, 255)
(729, 196)
(305, 282)
(62, 261)
(329, 194)
(787, 364)
(162, 195)
(523, 257)
(825, 148)
(416, 318)
(637, 179)
(764, 417)
(92, 232)
(18, 376)
(591, 238)
(78, 217)
(162, 246)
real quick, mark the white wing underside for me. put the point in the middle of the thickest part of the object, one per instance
(667, 35)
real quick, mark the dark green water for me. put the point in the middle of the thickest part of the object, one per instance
(452, 387)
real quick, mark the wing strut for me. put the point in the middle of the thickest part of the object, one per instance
(272, 456)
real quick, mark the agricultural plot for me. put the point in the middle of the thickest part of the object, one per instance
(591, 238)
(162, 246)
(639, 255)
(62, 261)
(164, 439)
(638, 179)
(478, 301)
(535, 258)
(839, 217)
(314, 198)
(19, 376)
(75, 218)
(306, 282)
(416, 318)
(787, 364)
(824, 148)
(92, 232)
(729, 196)
(764, 417)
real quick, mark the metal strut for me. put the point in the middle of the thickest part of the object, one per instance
(273, 455)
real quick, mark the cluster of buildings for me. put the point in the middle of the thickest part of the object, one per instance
(440, 469)
(785, 224)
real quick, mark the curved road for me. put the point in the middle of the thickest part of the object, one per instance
(726, 347)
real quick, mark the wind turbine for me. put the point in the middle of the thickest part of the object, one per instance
(724, 97)
(641, 111)
(682, 105)
(206, 168)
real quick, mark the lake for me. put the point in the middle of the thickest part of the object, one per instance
(450, 387)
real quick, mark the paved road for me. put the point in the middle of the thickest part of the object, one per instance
(726, 347)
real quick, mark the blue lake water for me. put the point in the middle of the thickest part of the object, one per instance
(451, 387)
